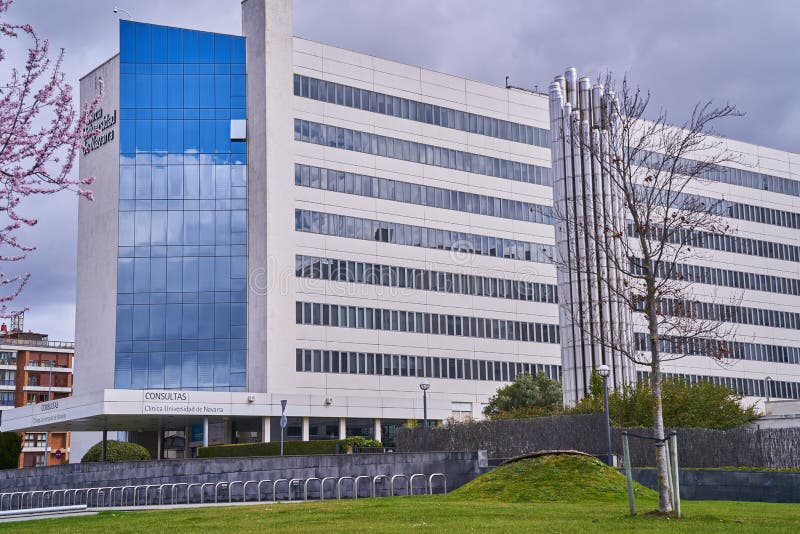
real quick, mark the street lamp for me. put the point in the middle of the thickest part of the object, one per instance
(425, 386)
(117, 10)
(604, 371)
(767, 380)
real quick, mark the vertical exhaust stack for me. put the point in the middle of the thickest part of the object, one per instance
(584, 196)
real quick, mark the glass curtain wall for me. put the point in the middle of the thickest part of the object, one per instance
(181, 288)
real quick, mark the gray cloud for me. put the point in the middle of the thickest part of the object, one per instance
(683, 51)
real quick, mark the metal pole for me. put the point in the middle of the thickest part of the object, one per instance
(49, 398)
(104, 448)
(626, 454)
(205, 431)
(425, 409)
(608, 421)
(676, 486)
(281, 441)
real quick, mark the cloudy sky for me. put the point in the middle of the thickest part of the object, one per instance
(744, 52)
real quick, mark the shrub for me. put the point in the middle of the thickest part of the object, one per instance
(526, 396)
(10, 448)
(360, 441)
(116, 451)
(699, 405)
(290, 448)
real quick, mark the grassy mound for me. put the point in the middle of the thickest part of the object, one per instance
(552, 478)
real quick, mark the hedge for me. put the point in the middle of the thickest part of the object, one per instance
(116, 451)
(291, 448)
(10, 448)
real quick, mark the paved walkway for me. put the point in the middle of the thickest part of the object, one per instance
(95, 511)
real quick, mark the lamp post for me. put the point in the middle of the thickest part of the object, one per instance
(604, 371)
(767, 380)
(117, 10)
(49, 398)
(424, 386)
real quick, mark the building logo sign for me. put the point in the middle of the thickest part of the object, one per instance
(99, 131)
(177, 403)
(166, 395)
(47, 406)
(46, 413)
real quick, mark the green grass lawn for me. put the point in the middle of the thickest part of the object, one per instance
(552, 493)
(429, 513)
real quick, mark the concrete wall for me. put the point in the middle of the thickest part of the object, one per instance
(721, 485)
(98, 236)
(459, 467)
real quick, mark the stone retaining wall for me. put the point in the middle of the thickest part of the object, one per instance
(729, 485)
(459, 467)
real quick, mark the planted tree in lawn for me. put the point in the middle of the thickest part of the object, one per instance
(41, 134)
(636, 222)
(526, 396)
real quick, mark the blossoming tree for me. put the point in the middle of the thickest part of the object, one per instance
(41, 133)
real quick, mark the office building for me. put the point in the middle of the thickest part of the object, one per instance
(279, 219)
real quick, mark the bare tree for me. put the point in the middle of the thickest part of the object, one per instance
(631, 221)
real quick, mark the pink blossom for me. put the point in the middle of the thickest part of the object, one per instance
(41, 134)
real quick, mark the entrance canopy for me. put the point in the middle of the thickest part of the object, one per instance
(164, 409)
(136, 410)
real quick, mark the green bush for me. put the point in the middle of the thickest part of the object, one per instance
(10, 447)
(526, 396)
(116, 451)
(699, 405)
(291, 448)
(360, 441)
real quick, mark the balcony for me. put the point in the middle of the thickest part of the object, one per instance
(64, 345)
(45, 389)
(47, 369)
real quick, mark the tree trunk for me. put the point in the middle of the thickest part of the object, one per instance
(664, 490)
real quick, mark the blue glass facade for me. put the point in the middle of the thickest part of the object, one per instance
(181, 291)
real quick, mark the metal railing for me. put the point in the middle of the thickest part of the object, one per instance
(38, 343)
(227, 491)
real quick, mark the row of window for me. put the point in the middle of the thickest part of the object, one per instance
(210, 137)
(8, 358)
(737, 350)
(727, 278)
(748, 387)
(332, 361)
(152, 228)
(145, 43)
(728, 313)
(7, 398)
(156, 182)
(179, 204)
(423, 195)
(728, 175)
(728, 243)
(315, 313)
(419, 236)
(422, 279)
(744, 212)
(345, 95)
(380, 145)
(205, 370)
(181, 322)
(192, 88)
(181, 274)
(8, 377)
